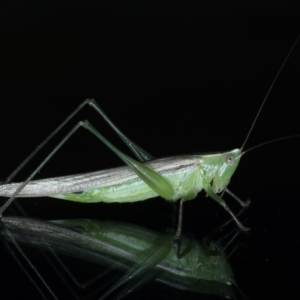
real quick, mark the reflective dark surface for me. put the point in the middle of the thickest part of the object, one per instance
(177, 78)
(144, 256)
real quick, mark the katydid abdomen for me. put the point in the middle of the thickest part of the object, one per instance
(118, 184)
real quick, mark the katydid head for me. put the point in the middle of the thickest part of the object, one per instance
(228, 162)
(217, 169)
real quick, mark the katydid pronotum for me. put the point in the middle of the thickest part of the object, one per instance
(177, 178)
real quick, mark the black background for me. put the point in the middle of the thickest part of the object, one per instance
(177, 77)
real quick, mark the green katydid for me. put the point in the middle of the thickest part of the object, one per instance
(177, 178)
(171, 178)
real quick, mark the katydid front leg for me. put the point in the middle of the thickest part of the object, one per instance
(217, 198)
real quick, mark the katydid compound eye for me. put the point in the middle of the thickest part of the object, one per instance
(229, 159)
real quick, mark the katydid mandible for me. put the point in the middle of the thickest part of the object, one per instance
(177, 178)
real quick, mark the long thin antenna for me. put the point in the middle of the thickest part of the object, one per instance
(272, 141)
(267, 95)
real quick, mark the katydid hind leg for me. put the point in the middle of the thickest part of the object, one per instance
(44, 142)
(153, 179)
(157, 182)
(140, 153)
(40, 166)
